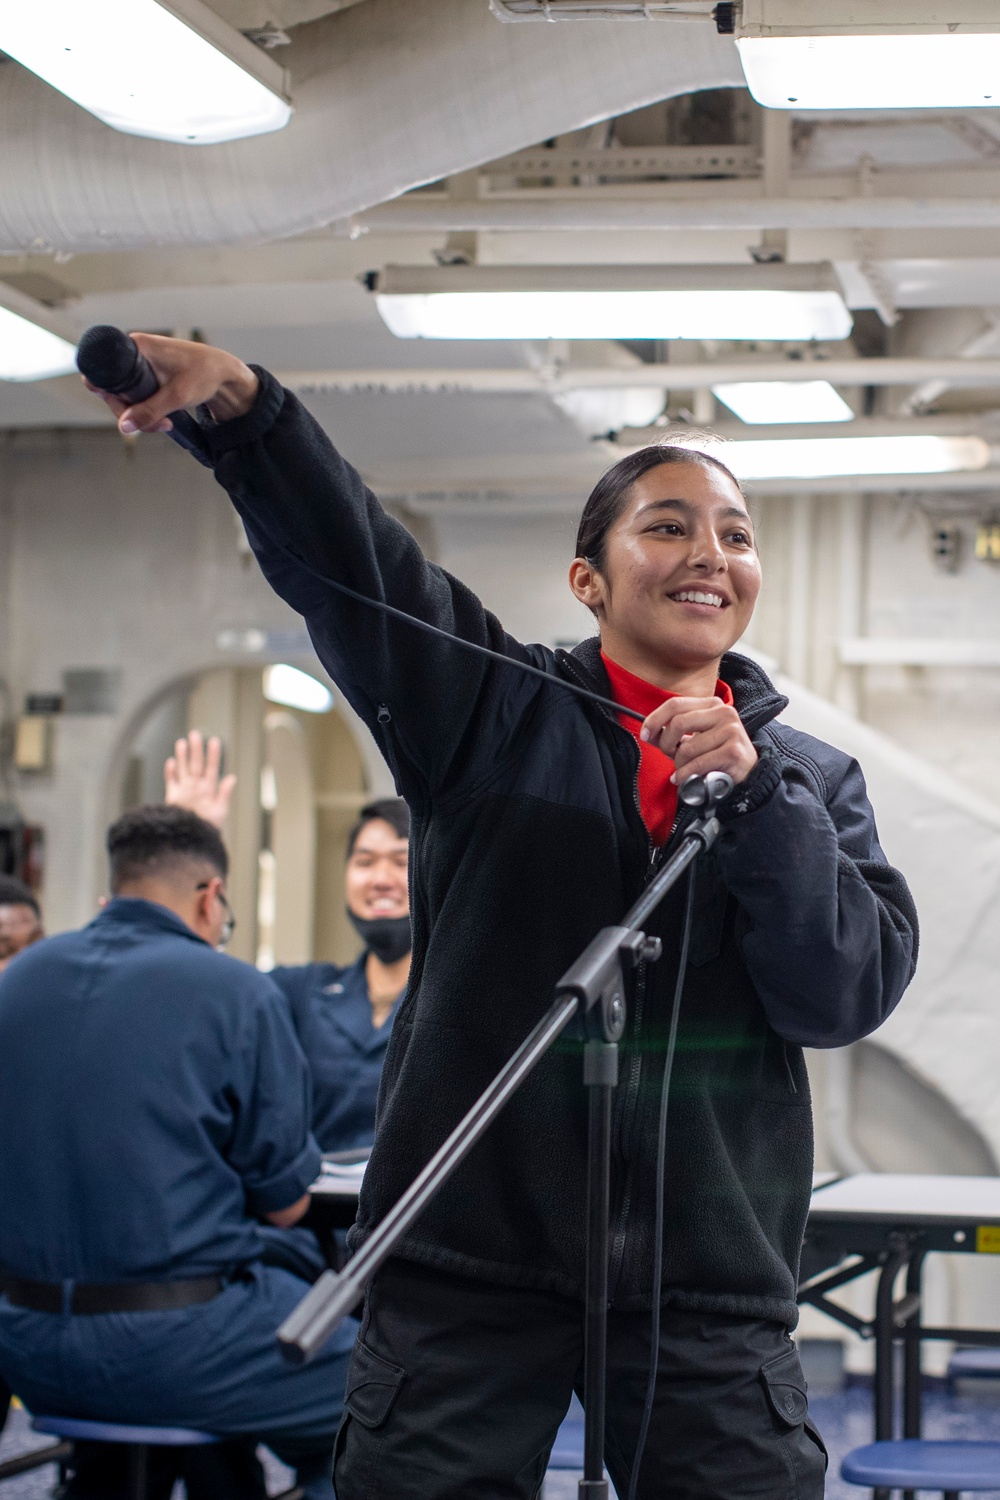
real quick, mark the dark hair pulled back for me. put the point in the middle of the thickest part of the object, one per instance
(610, 494)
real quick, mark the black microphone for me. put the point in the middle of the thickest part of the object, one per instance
(111, 361)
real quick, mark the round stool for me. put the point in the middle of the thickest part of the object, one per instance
(923, 1464)
(138, 1441)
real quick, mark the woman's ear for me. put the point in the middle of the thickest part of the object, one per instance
(587, 583)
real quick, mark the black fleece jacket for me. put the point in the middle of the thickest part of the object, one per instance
(526, 840)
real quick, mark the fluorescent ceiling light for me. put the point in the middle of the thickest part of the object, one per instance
(774, 401)
(295, 689)
(173, 71)
(781, 302)
(873, 72)
(838, 54)
(29, 352)
(817, 458)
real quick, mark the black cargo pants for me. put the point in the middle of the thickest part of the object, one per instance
(456, 1390)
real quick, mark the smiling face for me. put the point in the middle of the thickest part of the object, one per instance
(678, 579)
(376, 879)
(20, 926)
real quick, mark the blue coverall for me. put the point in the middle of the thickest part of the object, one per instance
(154, 1101)
(333, 1017)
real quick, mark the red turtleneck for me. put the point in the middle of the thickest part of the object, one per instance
(657, 793)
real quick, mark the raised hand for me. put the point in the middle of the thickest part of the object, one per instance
(192, 779)
(190, 374)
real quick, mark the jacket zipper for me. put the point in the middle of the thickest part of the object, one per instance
(682, 817)
(627, 1114)
(385, 721)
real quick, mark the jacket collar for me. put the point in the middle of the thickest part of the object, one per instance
(756, 698)
(143, 916)
(349, 1008)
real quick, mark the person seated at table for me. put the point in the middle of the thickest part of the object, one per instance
(155, 1109)
(20, 926)
(20, 919)
(343, 1014)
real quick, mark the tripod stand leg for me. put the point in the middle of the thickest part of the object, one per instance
(600, 1074)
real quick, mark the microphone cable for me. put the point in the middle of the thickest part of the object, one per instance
(459, 640)
(660, 1193)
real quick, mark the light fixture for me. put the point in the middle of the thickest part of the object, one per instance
(296, 689)
(36, 342)
(818, 458)
(772, 302)
(776, 401)
(169, 69)
(28, 352)
(893, 54)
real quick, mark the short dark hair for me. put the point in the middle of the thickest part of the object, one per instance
(391, 810)
(15, 893)
(608, 498)
(148, 840)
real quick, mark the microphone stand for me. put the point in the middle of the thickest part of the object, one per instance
(593, 988)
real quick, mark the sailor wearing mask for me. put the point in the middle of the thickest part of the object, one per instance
(343, 1015)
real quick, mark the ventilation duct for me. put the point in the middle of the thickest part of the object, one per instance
(388, 95)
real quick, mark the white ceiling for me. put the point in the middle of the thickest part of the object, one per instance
(393, 93)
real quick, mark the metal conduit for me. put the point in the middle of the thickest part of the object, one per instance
(601, 10)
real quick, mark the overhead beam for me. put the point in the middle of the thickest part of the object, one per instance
(485, 494)
(682, 377)
(738, 209)
(952, 424)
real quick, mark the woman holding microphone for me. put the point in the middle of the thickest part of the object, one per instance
(537, 819)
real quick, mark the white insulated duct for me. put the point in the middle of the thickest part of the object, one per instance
(387, 95)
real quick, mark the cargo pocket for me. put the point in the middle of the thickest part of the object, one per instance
(804, 1449)
(785, 1386)
(372, 1386)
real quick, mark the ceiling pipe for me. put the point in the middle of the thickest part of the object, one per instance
(591, 10)
(419, 215)
(683, 377)
(486, 494)
(951, 424)
(498, 497)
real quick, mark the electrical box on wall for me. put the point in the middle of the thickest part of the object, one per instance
(34, 736)
(988, 541)
(33, 743)
(22, 847)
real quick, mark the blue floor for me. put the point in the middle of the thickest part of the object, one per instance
(843, 1417)
(845, 1420)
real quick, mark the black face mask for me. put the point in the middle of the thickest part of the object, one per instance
(387, 937)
